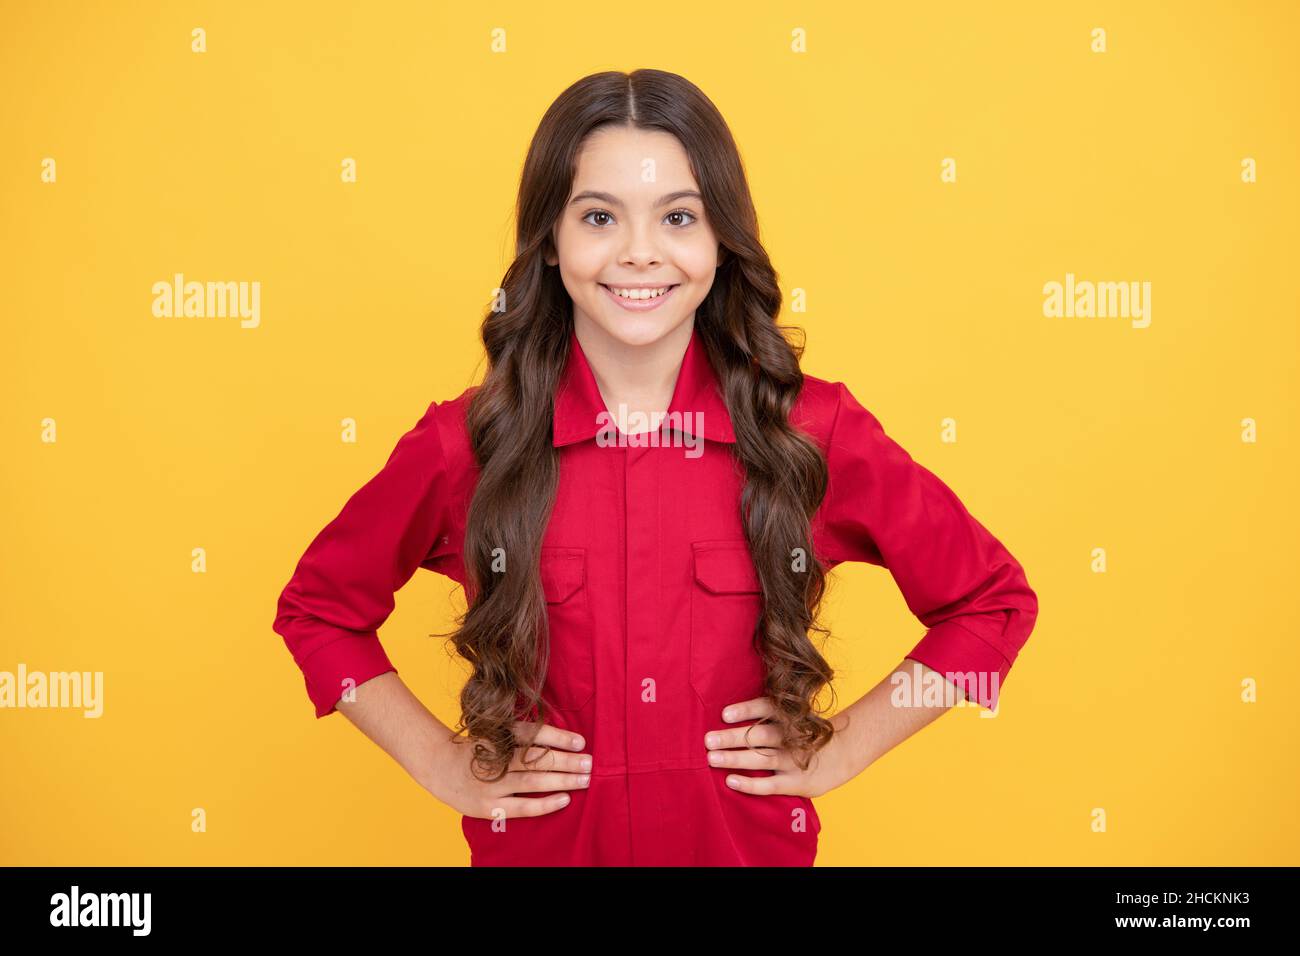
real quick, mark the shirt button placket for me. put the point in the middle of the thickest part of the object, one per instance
(642, 524)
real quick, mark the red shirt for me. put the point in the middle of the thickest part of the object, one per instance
(652, 598)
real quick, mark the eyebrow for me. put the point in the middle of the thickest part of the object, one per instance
(615, 201)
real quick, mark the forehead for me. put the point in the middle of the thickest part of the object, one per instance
(616, 158)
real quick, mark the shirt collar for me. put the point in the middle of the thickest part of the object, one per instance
(697, 398)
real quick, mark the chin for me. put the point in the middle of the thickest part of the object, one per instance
(638, 331)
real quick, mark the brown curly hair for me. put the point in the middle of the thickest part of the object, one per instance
(510, 416)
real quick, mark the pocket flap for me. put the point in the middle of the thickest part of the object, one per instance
(563, 572)
(726, 568)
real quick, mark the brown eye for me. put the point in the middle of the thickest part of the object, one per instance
(682, 212)
(596, 212)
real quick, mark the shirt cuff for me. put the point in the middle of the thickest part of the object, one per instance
(352, 655)
(965, 660)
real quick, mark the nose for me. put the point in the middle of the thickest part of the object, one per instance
(640, 245)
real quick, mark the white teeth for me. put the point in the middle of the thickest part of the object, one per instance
(638, 293)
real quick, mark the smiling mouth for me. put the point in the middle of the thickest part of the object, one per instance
(640, 300)
(640, 295)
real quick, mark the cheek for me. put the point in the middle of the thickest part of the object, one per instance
(699, 260)
(585, 263)
(580, 255)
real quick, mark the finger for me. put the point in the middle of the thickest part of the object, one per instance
(510, 807)
(749, 710)
(771, 759)
(758, 735)
(537, 781)
(547, 758)
(548, 735)
(762, 786)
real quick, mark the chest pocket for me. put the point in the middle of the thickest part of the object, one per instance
(726, 604)
(571, 673)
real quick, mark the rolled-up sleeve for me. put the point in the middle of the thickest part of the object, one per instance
(963, 585)
(343, 587)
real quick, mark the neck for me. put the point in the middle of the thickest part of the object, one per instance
(634, 378)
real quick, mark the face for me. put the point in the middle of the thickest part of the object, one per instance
(645, 230)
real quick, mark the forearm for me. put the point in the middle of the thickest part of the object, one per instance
(388, 713)
(875, 724)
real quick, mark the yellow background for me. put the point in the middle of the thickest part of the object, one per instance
(924, 297)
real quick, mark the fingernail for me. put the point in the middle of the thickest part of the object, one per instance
(711, 740)
(564, 799)
(715, 758)
(584, 780)
(584, 763)
(578, 743)
(731, 782)
(728, 715)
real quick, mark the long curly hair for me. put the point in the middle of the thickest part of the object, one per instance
(502, 633)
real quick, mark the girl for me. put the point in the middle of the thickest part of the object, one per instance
(641, 501)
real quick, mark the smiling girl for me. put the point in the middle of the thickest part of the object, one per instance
(642, 501)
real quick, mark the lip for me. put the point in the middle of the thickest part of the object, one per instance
(640, 305)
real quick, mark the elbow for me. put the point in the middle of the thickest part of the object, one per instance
(1006, 613)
